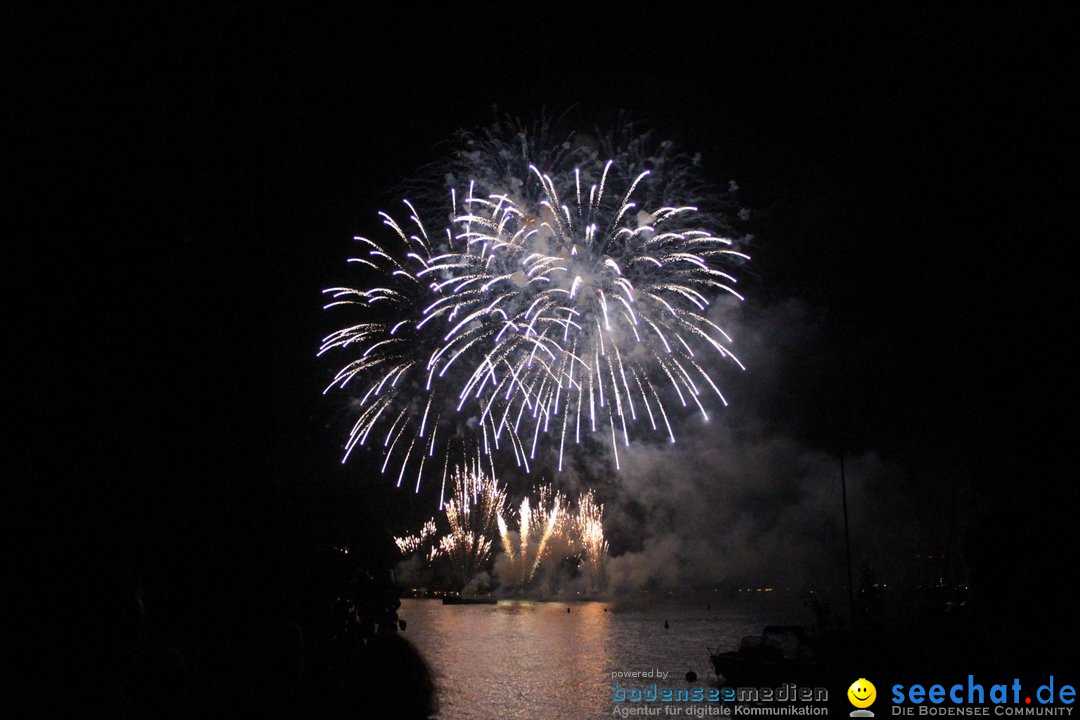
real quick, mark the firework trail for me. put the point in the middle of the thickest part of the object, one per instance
(559, 301)
(534, 532)
(559, 540)
(590, 530)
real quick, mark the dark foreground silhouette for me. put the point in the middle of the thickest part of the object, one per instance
(323, 641)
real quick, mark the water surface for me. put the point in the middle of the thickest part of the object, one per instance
(522, 660)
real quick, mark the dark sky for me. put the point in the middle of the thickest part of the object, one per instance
(183, 183)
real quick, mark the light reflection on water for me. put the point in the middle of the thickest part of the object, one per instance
(524, 660)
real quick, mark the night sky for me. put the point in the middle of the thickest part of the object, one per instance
(182, 184)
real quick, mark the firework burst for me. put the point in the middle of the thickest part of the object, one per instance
(556, 303)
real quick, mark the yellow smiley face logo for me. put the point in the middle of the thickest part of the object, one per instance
(862, 693)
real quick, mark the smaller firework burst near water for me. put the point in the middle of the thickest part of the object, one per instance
(550, 534)
(549, 540)
(471, 513)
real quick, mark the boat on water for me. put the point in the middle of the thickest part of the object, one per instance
(474, 600)
(782, 653)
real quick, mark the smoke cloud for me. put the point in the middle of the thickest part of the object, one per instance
(742, 499)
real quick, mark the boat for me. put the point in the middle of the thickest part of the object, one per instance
(474, 600)
(781, 654)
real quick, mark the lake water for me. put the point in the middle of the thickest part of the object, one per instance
(521, 660)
